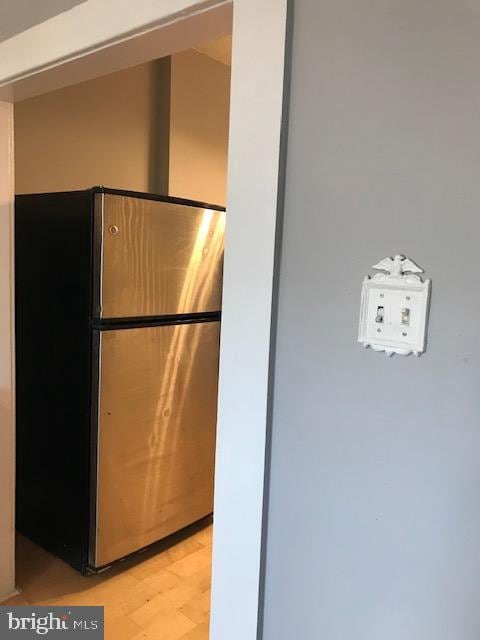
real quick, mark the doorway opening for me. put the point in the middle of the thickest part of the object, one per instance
(159, 128)
(92, 40)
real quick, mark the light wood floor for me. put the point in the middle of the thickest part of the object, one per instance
(159, 595)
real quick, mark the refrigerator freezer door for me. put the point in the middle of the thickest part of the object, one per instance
(159, 258)
(156, 441)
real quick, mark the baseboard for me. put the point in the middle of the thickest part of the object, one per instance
(7, 596)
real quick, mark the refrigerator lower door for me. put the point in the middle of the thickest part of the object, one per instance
(156, 434)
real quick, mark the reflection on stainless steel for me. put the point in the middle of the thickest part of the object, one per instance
(162, 259)
(158, 391)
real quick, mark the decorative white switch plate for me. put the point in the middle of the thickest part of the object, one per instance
(394, 308)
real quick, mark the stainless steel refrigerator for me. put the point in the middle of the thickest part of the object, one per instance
(118, 299)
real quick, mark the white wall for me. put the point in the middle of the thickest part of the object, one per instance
(200, 101)
(7, 399)
(138, 129)
(95, 133)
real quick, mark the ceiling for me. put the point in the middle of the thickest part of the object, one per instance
(19, 15)
(220, 50)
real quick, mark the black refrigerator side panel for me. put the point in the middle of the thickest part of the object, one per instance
(53, 277)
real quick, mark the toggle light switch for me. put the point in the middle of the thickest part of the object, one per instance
(379, 316)
(405, 316)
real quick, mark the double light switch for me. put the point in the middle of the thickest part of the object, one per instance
(394, 308)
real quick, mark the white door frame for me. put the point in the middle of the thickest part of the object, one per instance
(119, 33)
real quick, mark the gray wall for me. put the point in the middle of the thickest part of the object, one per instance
(374, 521)
(19, 15)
